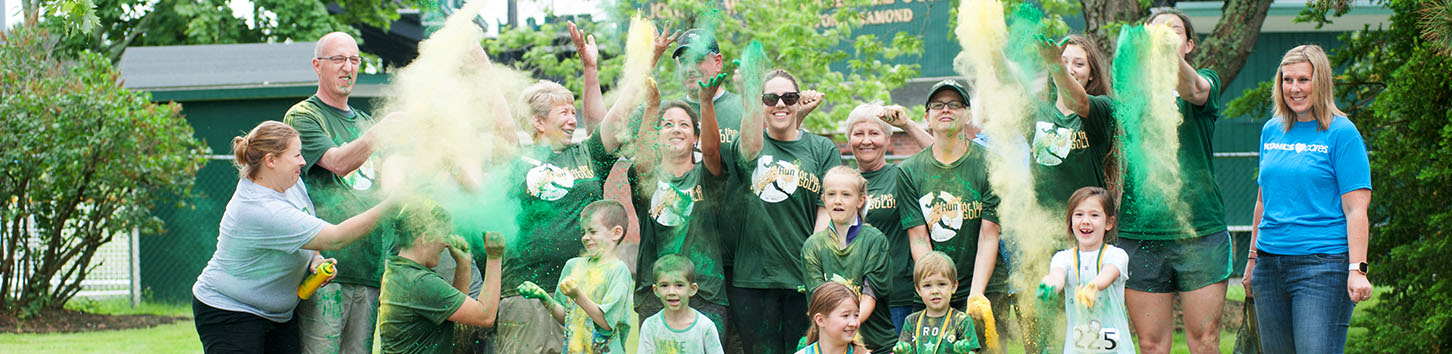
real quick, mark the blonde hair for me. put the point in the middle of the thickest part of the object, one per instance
(934, 262)
(857, 179)
(867, 112)
(270, 137)
(543, 95)
(1323, 102)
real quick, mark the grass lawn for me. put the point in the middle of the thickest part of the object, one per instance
(176, 337)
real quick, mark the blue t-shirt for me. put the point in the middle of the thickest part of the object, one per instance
(1303, 173)
(259, 260)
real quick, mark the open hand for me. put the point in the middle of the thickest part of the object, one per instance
(1049, 51)
(711, 86)
(585, 45)
(663, 41)
(1047, 292)
(810, 100)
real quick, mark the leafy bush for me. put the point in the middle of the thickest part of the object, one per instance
(83, 160)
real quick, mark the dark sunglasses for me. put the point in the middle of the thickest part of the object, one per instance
(790, 98)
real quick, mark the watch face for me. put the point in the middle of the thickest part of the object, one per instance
(1362, 266)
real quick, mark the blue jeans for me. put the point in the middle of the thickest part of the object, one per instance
(1302, 303)
(897, 314)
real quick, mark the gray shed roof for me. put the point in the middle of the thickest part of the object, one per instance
(218, 66)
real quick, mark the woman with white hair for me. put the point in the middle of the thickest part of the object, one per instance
(869, 135)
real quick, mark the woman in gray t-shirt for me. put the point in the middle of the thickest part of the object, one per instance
(267, 242)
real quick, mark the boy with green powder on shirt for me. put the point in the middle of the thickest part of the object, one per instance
(593, 299)
(417, 307)
(677, 328)
(938, 328)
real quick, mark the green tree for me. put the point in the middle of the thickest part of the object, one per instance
(84, 160)
(801, 39)
(124, 23)
(1224, 50)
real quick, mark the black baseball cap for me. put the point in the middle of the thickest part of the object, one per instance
(944, 85)
(696, 39)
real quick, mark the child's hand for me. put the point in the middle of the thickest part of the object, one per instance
(530, 290)
(570, 287)
(1087, 294)
(1048, 292)
(494, 245)
(902, 348)
(963, 346)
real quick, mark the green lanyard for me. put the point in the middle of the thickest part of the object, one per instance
(1098, 263)
(947, 319)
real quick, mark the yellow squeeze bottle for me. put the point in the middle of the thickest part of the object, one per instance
(315, 281)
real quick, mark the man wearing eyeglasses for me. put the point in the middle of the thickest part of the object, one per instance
(337, 147)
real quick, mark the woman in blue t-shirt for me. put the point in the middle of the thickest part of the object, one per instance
(267, 243)
(1308, 264)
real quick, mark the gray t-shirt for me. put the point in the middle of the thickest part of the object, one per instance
(658, 337)
(259, 261)
(447, 266)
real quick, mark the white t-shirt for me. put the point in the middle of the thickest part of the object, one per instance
(259, 261)
(1105, 328)
(658, 337)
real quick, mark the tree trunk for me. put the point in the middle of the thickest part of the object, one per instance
(1233, 39)
(1100, 15)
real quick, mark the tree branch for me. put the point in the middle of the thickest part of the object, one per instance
(1233, 39)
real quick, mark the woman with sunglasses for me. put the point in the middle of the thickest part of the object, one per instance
(779, 171)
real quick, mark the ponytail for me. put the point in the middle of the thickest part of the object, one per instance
(270, 137)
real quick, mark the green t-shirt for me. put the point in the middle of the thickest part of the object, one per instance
(1152, 221)
(952, 201)
(728, 109)
(414, 308)
(882, 213)
(321, 127)
(677, 215)
(552, 189)
(933, 335)
(776, 204)
(862, 266)
(608, 285)
(1069, 150)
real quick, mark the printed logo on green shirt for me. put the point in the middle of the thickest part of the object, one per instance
(1052, 143)
(729, 135)
(549, 182)
(362, 178)
(670, 206)
(945, 213)
(774, 180)
(881, 201)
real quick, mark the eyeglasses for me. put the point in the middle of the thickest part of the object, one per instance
(789, 98)
(950, 105)
(339, 59)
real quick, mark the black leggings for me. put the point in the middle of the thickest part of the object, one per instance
(771, 321)
(225, 331)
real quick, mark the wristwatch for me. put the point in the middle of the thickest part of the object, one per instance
(1358, 267)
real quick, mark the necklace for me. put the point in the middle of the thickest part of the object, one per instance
(948, 318)
(1098, 263)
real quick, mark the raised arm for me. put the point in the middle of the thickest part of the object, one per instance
(593, 101)
(896, 116)
(710, 138)
(333, 237)
(646, 154)
(483, 312)
(505, 129)
(1070, 92)
(615, 120)
(1192, 87)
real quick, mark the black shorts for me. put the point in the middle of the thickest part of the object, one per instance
(223, 331)
(1166, 266)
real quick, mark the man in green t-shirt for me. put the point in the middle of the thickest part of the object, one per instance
(418, 308)
(1164, 258)
(339, 173)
